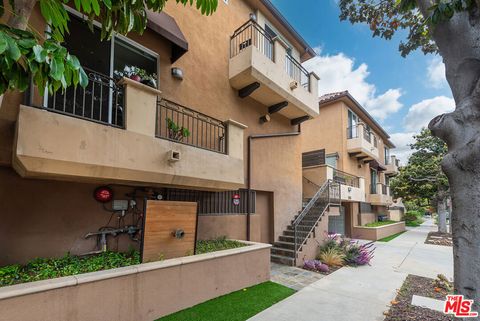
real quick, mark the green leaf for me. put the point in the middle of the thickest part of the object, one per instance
(73, 62)
(27, 43)
(56, 68)
(13, 51)
(83, 79)
(108, 4)
(96, 7)
(3, 43)
(39, 53)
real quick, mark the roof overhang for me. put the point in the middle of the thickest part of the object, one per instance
(167, 27)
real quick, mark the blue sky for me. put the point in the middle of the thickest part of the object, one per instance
(403, 94)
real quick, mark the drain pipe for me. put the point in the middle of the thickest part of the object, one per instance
(249, 167)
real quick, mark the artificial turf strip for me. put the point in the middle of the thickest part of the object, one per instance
(391, 237)
(236, 306)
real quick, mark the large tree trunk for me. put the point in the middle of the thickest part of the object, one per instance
(22, 12)
(458, 41)
(442, 215)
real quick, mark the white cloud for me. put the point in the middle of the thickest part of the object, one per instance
(385, 104)
(420, 114)
(402, 142)
(338, 73)
(436, 73)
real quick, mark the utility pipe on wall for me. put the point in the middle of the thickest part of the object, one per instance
(249, 167)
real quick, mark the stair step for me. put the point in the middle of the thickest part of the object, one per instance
(282, 252)
(299, 233)
(289, 238)
(282, 260)
(284, 245)
(301, 228)
(308, 221)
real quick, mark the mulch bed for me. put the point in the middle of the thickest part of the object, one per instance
(437, 238)
(402, 309)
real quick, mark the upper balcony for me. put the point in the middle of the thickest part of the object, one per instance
(123, 132)
(362, 143)
(261, 68)
(392, 164)
(380, 195)
(352, 188)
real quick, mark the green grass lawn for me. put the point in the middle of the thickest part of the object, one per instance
(236, 306)
(391, 237)
(380, 223)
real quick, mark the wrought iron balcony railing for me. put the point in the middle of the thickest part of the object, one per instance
(186, 126)
(102, 101)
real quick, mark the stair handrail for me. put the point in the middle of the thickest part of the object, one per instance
(328, 183)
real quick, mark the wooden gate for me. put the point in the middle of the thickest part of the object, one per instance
(169, 230)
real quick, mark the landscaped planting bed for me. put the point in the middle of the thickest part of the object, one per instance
(340, 251)
(401, 308)
(437, 238)
(380, 223)
(236, 306)
(50, 268)
(217, 245)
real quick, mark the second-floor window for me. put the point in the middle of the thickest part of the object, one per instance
(387, 156)
(352, 130)
(105, 63)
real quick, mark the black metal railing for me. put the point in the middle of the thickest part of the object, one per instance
(186, 126)
(397, 162)
(352, 132)
(388, 160)
(296, 71)
(345, 178)
(367, 135)
(251, 34)
(102, 100)
(328, 194)
(384, 189)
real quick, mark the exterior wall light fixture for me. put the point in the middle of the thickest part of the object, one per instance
(177, 73)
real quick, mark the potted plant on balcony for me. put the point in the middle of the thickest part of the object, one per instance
(137, 74)
(176, 132)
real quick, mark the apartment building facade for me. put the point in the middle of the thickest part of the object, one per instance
(219, 126)
(345, 144)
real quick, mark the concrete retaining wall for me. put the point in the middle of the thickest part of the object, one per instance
(138, 292)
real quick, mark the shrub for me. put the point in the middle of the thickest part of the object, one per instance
(331, 242)
(315, 265)
(218, 244)
(332, 257)
(48, 268)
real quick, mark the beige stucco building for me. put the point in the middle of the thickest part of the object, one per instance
(345, 144)
(230, 79)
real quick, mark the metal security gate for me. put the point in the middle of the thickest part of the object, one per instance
(336, 224)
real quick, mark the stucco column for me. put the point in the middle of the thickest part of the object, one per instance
(280, 52)
(140, 107)
(313, 78)
(235, 138)
(329, 172)
(361, 185)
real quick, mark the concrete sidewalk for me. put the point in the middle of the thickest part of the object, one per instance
(364, 293)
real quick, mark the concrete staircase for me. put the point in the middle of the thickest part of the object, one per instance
(283, 251)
